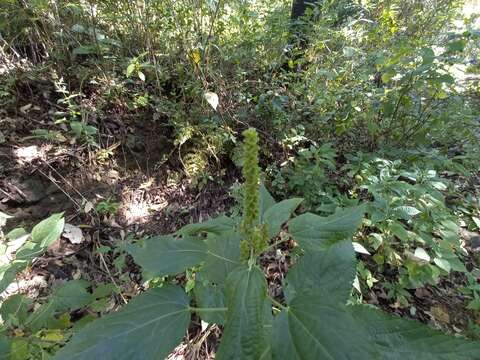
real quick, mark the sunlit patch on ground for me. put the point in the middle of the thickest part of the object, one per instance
(27, 154)
(136, 208)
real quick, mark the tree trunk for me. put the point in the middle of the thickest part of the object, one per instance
(299, 7)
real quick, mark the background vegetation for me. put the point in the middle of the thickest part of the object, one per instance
(127, 115)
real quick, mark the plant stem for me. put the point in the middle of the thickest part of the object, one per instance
(220, 309)
(277, 304)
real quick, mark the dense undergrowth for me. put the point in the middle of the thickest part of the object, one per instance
(359, 102)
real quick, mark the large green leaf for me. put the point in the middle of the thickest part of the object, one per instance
(223, 256)
(148, 327)
(48, 230)
(278, 214)
(400, 339)
(266, 201)
(320, 329)
(166, 255)
(209, 295)
(70, 296)
(316, 232)
(5, 347)
(14, 310)
(9, 271)
(42, 236)
(215, 226)
(282, 344)
(244, 334)
(330, 272)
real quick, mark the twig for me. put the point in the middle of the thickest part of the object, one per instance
(60, 188)
(102, 259)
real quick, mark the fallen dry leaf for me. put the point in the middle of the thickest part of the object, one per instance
(73, 233)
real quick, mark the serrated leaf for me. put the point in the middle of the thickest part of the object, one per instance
(316, 232)
(223, 256)
(320, 329)
(331, 272)
(276, 215)
(165, 255)
(212, 99)
(244, 336)
(215, 226)
(149, 327)
(48, 230)
(70, 296)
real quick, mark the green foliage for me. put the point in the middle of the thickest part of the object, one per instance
(362, 78)
(108, 207)
(160, 319)
(314, 322)
(38, 334)
(32, 245)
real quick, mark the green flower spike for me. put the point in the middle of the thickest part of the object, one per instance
(254, 234)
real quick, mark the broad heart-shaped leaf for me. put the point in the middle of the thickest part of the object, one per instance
(317, 233)
(278, 214)
(48, 230)
(244, 335)
(166, 255)
(320, 329)
(330, 272)
(148, 327)
(223, 256)
(215, 226)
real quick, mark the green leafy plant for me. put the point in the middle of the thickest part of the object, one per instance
(37, 334)
(136, 67)
(28, 246)
(312, 321)
(107, 206)
(35, 331)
